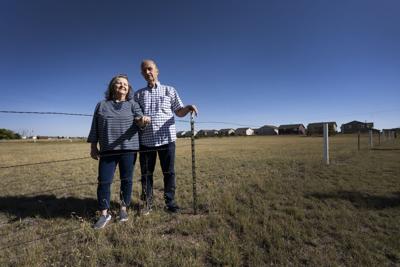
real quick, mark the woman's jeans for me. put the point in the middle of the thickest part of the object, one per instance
(107, 165)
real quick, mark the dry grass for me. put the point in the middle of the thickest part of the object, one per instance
(262, 201)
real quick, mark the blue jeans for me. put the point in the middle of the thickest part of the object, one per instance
(166, 154)
(107, 165)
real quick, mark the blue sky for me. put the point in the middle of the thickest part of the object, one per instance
(247, 62)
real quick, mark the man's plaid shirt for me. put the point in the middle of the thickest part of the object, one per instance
(159, 103)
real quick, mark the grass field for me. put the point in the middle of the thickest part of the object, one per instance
(261, 201)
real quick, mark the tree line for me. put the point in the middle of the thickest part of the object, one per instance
(8, 134)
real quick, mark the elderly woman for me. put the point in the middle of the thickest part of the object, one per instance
(115, 128)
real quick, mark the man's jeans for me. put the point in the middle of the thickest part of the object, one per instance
(166, 154)
(107, 165)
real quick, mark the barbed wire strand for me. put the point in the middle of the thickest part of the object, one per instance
(88, 157)
(40, 239)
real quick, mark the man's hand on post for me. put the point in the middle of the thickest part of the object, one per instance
(193, 109)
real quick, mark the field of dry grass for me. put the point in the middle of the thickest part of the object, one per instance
(262, 201)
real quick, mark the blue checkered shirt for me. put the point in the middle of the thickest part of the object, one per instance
(159, 103)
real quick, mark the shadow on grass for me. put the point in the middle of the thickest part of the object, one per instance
(385, 149)
(47, 206)
(362, 200)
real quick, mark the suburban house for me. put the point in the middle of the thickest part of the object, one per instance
(297, 129)
(207, 133)
(267, 130)
(244, 131)
(181, 134)
(227, 132)
(356, 126)
(388, 132)
(317, 128)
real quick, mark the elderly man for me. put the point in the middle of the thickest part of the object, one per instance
(159, 102)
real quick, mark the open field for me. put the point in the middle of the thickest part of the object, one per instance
(262, 201)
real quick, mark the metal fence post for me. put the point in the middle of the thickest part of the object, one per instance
(358, 140)
(193, 165)
(326, 144)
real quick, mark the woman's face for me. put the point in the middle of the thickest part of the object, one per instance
(121, 87)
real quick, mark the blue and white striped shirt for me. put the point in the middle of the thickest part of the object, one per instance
(159, 103)
(113, 125)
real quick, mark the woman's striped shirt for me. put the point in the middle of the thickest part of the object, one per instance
(113, 125)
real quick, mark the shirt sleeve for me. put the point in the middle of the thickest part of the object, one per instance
(176, 102)
(136, 97)
(136, 109)
(93, 134)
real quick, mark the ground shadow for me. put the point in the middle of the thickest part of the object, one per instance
(362, 200)
(47, 206)
(385, 149)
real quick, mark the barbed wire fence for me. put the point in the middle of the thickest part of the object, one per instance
(383, 137)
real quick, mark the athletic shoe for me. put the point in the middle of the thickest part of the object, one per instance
(172, 208)
(123, 215)
(102, 221)
(146, 210)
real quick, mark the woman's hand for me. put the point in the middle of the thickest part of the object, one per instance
(94, 151)
(143, 121)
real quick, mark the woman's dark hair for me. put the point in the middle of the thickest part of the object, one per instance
(110, 94)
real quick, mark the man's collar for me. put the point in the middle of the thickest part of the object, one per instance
(155, 86)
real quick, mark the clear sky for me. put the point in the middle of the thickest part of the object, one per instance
(249, 62)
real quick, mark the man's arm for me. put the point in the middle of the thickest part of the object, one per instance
(182, 112)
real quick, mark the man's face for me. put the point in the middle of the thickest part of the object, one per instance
(150, 72)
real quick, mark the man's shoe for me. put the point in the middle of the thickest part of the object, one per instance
(123, 215)
(172, 208)
(102, 221)
(146, 210)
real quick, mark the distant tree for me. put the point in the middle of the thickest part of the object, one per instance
(8, 134)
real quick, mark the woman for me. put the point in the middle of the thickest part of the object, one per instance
(115, 128)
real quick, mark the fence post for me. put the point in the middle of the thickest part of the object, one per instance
(358, 141)
(326, 144)
(371, 143)
(193, 165)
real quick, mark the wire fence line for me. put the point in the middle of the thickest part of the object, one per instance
(19, 244)
(88, 157)
(91, 115)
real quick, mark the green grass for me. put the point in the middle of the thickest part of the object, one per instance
(261, 201)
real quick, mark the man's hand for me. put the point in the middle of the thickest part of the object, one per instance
(94, 151)
(184, 111)
(193, 109)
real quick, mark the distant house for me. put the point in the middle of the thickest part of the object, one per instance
(267, 130)
(227, 132)
(244, 131)
(388, 132)
(297, 129)
(317, 128)
(181, 134)
(207, 133)
(356, 126)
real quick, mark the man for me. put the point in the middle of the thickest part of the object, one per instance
(159, 102)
